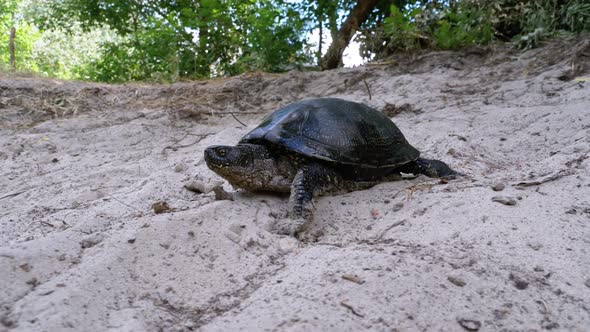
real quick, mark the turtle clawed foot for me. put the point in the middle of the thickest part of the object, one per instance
(452, 175)
(289, 226)
(436, 169)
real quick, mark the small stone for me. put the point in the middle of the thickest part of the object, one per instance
(375, 213)
(469, 324)
(498, 186)
(519, 281)
(131, 240)
(397, 206)
(549, 325)
(33, 282)
(198, 187)
(233, 237)
(202, 187)
(587, 283)
(6, 322)
(191, 233)
(506, 200)
(535, 245)
(179, 168)
(161, 207)
(288, 244)
(456, 281)
(54, 160)
(25, 267)
(91, 240)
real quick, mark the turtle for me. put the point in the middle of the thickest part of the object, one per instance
(315, 147)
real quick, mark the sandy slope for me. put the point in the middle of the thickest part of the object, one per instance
(81, 165)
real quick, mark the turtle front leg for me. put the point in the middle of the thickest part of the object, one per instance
(309, 182)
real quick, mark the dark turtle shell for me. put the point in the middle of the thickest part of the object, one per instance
(335, 130)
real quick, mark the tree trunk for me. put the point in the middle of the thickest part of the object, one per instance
(357, 16)
(11, 47)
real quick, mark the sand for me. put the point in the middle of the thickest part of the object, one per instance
(506, 247)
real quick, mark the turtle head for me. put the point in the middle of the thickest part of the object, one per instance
(242, 165)
(220, 157)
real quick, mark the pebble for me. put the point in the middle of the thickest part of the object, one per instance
(498, 186)
(535, 245)
(91, 240)
(179, 168)
(288, 244)
(506, 200)
(469, 324)
(587, 283)
(161, 207)
(456, 281)
(234, 233)
(519, 281)
(202, 187)
(549, 325)
(375, 213)
(397, 206)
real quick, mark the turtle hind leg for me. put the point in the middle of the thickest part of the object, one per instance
(431, 168)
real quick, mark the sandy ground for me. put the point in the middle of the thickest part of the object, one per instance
(507, 247)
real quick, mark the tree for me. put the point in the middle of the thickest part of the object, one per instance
(341, 39)
(187, 38)
(16, 49)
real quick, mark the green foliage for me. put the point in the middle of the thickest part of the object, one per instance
(468, 24)
(403, 28)
(157, 40)
(272, 41)
(26, 36)
(456, 24)
(576, 16)
(68, 55)
(542, 19)
(532, 39)
(434, 25)
(146, 55)
(186, 38)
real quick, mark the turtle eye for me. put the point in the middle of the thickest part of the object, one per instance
(221, 152)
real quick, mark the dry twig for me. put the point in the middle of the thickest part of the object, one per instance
(351, 308)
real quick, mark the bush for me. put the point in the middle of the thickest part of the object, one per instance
(452, 25)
